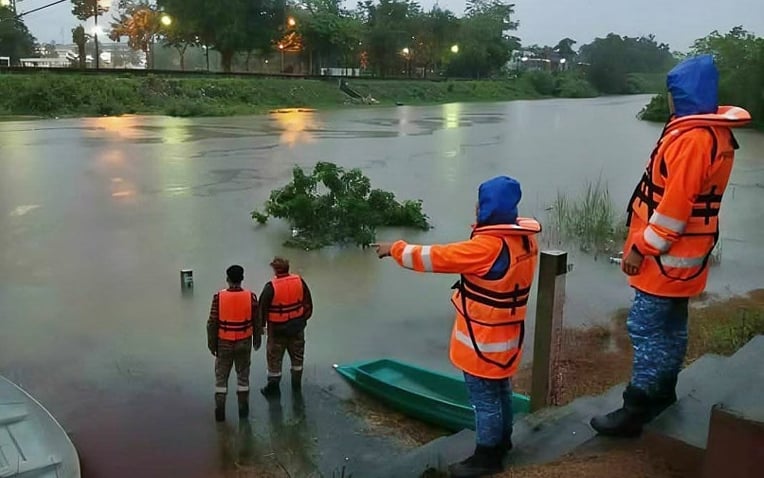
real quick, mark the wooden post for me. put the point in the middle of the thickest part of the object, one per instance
(548, 336)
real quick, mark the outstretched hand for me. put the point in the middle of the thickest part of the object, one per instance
(382, 248)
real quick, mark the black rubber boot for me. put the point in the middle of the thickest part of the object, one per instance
(506, 444)
(243, 404)
(297, 381)
(628, 420)
(220, 407)
(485, 461)
(272, 389)
(664, 398)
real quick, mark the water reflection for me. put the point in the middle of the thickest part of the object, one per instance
(296, 126)
(291, 439)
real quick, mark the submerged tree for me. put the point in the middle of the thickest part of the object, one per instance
(335, 206)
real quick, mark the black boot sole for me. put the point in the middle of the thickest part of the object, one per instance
(615, 432)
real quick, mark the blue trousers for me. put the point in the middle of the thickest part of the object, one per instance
(492, 402)
(658, 330)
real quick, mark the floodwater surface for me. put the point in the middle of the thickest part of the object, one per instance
(97, 217)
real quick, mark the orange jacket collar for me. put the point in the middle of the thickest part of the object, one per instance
(523, 227)
(726, 116)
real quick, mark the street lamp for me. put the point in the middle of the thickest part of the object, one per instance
(281, 47)
(454, 48)
(291, 21)
(405, 51)
(166, 20)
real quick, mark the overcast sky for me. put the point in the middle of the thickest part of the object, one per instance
(677, 22)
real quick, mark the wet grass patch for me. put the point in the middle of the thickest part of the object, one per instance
(589, 220)
(597, 358)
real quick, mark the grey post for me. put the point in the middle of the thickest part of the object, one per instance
(548, 336)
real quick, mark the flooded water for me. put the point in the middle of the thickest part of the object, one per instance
(97, 217)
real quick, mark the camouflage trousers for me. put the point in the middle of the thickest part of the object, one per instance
(275, 348)
(233, 353)
(658, 330)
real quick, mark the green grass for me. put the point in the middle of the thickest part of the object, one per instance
(589, 220)
(75, 94)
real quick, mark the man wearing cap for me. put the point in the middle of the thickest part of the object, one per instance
(230, 330)
(496, 267)
(285, 307)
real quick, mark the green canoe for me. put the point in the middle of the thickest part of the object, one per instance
(437, 398)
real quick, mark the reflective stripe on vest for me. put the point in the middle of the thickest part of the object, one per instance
(490, 327)
(287, 302)
(235, 314)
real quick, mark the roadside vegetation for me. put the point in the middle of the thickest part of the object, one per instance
(740, 58)
(589, 220)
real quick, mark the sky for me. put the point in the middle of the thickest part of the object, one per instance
(544, 22)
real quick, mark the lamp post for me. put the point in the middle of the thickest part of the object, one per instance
(165, 20)
(96, 31)
(281, 47)
(407, 54)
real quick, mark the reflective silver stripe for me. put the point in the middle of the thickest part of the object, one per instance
(408, 257)
(221, 389)
(274, 374)
(297, 368)
(652, 238)
(242, 388)
(682, 262)
(733, 113)
(668, 222)
(489, 347)
(426, 259)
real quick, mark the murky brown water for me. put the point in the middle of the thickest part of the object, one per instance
(97, 216)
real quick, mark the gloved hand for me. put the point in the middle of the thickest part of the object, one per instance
(257, 341)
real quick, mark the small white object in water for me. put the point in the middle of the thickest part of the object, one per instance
(615, 260)
(21, 210)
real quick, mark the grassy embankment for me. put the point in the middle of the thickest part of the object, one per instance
(75, 94)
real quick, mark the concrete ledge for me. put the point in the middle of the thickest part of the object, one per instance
(735, 446)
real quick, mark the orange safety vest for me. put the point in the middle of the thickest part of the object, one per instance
(235, 319)
(488, 333)
(287, 302)
(680, 270)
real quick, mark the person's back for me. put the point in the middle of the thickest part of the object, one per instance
(230, 330)
(673, 228)
(285, 307)
(496, 267)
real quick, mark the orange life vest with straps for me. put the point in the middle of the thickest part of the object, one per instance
(489, 330)
(676, 229)
(235, 319)
(287, 302)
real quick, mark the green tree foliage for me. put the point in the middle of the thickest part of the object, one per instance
(139, 22)
(80, 38)
(330, 35)
(228, 27)
(485, 45)
(15, 40)
(613, 58)
(335, 206)
(739, 56)
(86, 9)
(565, 48)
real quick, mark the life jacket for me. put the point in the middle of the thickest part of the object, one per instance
(287, 302)
(489, 330)
(681, 271)
(235, 314)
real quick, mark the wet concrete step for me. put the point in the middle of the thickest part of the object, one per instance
(550, 433)
(738, 381)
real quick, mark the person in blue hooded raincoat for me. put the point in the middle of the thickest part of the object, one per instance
(496, 266)
(673, 228)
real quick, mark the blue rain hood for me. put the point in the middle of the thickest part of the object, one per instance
(497, 201)
(694, 86)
